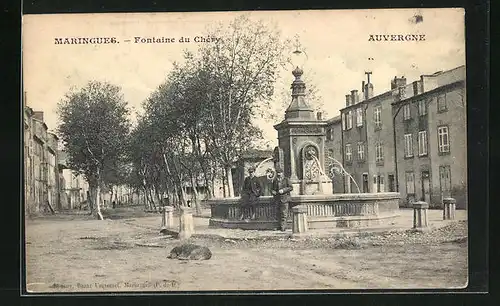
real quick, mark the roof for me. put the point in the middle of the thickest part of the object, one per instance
(430, 92)
(334, 119)
(435, 75)
(372, 99)
(63, 157)
(53, 134)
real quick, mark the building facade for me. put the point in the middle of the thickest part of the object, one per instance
(72, 186)
(410, 139)
(29, 178)
(41, 182)
(430, 132)
(333, 145)
(260, 159)
(367, 139)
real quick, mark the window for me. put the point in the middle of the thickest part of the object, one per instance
(422, 143)
(379, 153)
(349, 120)
(344, 126)
(361, 151)
(378, 183)
(348, 152)
(422, 108)
(443, 139)
(377, 116)
(408, 145)
(441, 103)
(359, 117)
(406, 112)
(381, 185)
(410, 183)
(329, 134)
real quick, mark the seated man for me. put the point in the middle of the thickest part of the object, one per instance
(250, 194)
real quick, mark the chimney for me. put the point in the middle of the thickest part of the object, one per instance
(398, 82)
(38, 115)
(354, 96)
(363, 87)
(319, 115)
(367, 87)
(417, 88)
(347, 100)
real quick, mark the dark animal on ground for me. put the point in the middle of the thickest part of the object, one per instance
(190, 251)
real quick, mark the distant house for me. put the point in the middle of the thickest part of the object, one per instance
(73, 186)
(251, 158)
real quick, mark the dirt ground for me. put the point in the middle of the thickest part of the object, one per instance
(68, 253)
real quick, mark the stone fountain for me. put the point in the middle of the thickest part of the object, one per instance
(301, 154)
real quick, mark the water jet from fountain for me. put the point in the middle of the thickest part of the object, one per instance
(344, 172)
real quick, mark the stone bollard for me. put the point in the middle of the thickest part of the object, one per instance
(168, 213)
(186, 226)
(163, 218)
(449, 206)
(299, 221)
(420, 215)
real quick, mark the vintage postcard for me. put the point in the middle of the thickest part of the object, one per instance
(263, 150)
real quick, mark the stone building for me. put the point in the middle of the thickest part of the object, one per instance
(52, 171)
(29, 178)
(410, 139)
(430, 133)
(367, 139)
(73, 187)
(39, 161)
(41, 182)
(251, 158)
(333, 146)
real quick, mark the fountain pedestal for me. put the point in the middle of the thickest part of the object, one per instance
(299, 224)
(323, 211)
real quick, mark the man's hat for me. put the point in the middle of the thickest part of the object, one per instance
(279, 170)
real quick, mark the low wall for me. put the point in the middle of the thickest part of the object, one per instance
(323, 211)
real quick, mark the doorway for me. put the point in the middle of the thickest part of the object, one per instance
(426, 194)
(365, 182)
(391, 183)
(445, 181)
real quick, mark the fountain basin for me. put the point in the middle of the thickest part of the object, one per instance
(323, 211)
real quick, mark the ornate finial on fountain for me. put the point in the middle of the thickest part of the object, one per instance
(297, 73)
(298, 108)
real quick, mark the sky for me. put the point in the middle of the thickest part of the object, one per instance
(336, 42)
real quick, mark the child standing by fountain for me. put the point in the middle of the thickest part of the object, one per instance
(281, 192)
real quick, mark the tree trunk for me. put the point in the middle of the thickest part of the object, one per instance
(149, 196)
(95, 200)
(229, 178)
(196, 197)
(111, 195)
(158, 198)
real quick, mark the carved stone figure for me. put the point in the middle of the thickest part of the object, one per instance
(311, 168)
